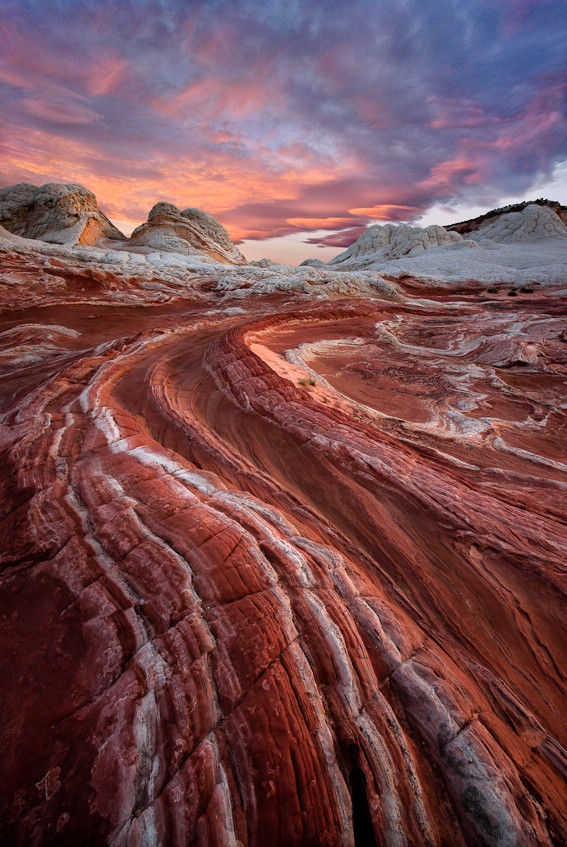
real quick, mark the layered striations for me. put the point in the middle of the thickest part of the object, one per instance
(187, 231)
(57, 213)
(288, 574)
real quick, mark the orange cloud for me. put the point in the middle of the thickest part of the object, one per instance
(383, 212)
(443, 176)
(319, 223)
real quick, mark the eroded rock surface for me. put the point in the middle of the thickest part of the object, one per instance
(54, 212)
(471, 225)
(533, 223)
(381, 243)
(188, 231)
(517, 248)
(279, 571)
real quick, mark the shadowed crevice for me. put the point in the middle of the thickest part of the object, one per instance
(361, 817)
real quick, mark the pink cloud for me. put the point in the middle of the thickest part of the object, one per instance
(338, 239)
(59, 110)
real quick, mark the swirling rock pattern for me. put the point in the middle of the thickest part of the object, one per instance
(289, 575)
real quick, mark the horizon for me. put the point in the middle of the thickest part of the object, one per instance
(297, 128)
(127, 228)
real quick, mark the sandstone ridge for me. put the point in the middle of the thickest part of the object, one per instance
(472, 224)
(519, 247)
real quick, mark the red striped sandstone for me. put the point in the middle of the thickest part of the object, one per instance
(241, 609)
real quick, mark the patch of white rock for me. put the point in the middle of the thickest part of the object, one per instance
(387, 242)
(516, 248)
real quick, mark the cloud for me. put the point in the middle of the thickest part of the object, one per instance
(282, 117)
(57, 111)
(338, 239)
(385, 212)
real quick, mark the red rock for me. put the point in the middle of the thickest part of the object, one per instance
(240, 609)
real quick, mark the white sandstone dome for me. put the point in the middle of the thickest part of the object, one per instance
(188, 231)
(381, 243)
(534, 223)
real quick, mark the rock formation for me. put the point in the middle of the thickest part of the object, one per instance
(69, 215)
(473, 224)
(56, 213)
(532, 223)
(287, 574)
(518, 247)
(381, 243)
(187, 231)
(264, 263)
(312, 263)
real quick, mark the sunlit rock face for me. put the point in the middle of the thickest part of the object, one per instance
(69, 215)
(57, 213)
(187, 231)
(277, 570)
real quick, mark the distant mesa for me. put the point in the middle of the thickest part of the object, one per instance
(56, 213)
(263, 263)
(189, 230)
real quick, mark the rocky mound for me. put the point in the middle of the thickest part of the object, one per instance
(381, 243)
(190, 230)
(55, 212)
(473, 224)
(532, 223)
(312, 263)
(265, 263)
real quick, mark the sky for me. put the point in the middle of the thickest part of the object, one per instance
(296, 123)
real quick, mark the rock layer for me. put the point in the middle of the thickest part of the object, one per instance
(293, 575)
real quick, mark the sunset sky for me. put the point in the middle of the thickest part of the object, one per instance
(295, 123)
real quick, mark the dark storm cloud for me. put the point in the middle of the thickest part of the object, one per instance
(286, 116)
